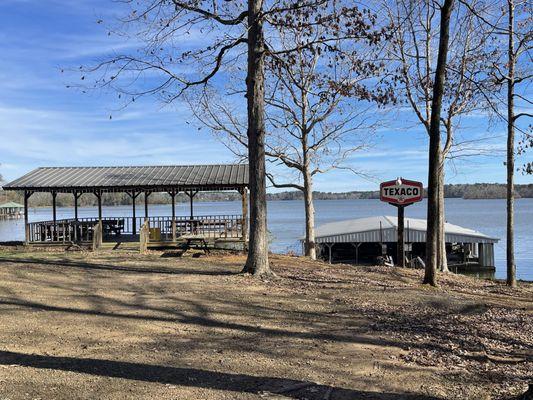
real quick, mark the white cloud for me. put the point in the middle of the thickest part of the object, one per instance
(32, 137)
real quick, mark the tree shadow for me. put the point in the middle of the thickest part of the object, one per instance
(431, 328)
(397, 321)
(198, 378)
(198, 319)
(113, 267)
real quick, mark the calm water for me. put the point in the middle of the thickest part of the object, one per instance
(286, 221)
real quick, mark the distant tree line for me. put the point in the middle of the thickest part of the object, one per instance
(111, 199)
(464, 191)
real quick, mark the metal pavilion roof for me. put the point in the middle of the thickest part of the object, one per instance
(196, 177)
(384, 228)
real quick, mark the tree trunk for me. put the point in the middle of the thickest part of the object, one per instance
(310, 249)
(257, 261)
(432, 246)
(442, 259)
(511, 267)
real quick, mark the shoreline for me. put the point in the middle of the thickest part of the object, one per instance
(199, 200)
(286, 221)
(20, 247)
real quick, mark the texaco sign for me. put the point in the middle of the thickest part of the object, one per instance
(401, 191)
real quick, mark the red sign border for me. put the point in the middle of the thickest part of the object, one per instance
(392, 200)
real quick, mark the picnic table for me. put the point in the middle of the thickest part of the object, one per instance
(195, 241)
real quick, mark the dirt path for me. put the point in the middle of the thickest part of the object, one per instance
(118, 325)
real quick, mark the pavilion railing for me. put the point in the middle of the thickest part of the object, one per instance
(63, 231)
(82, 229)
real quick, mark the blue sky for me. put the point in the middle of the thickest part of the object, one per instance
(42, 123)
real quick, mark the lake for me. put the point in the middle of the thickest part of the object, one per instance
(286, 221)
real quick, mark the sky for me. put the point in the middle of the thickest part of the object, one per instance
(45, 123)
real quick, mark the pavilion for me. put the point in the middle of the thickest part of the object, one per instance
(135, 181)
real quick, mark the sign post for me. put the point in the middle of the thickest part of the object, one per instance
(401, 242)
(401, 193)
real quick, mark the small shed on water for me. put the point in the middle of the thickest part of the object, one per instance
(11, 210)
(363, 240)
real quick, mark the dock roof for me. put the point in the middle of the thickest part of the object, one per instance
(110, 179)
(11, 204)
(384, 228)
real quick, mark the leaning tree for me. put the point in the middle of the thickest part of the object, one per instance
(319, 99)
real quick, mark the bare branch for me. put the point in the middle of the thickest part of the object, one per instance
(524, 114)
(283, 185)
(218, 62)
(212, 16)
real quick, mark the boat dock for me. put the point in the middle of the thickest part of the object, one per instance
(11, 210)
(365, 240)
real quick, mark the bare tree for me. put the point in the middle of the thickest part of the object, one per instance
(318, 103)
(225, 26)
(435, 152)
(166, 65)
(510, 80)
(415, 43)
(515, 49)
(512, 69)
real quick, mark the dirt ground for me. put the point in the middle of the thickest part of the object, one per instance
(119, 325)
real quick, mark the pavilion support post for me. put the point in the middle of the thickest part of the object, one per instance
(330, 258)
(356, 246)
(98, 195)
(133, 196)
(173, 222)
(76, 198)
(244, 199)
(54, 207)
(98, 232)
(54, 216)
(26, 219)
(146, 195)
(134, 221)
(191, 195)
